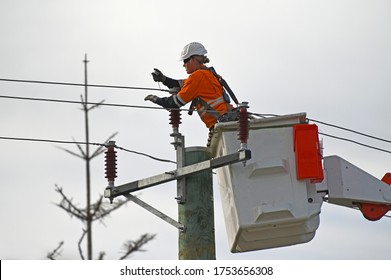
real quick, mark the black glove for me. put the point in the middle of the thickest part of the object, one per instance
(158, 76)
(151, 97)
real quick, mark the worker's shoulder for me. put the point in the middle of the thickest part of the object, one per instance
(201, 73)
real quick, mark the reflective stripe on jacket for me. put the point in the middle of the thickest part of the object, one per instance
(202, 84)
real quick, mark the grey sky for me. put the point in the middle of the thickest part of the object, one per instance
(331, 59)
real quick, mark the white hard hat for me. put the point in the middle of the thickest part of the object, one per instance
(194, 48)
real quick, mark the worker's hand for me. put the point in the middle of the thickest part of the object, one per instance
(151, 97)
(158, 76)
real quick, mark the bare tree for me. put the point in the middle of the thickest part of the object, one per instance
(100, 209)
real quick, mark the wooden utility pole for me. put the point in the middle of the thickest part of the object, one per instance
(197, 241)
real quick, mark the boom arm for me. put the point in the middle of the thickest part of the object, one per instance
(348, 185)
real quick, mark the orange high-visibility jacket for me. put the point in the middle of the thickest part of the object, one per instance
(202, 84)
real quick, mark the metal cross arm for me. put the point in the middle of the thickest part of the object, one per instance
(240, 156)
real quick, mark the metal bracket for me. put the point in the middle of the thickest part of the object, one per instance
(111, 192)
(156, 212)
(179, 144)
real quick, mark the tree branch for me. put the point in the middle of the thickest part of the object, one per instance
(105, 208)
(72, 153)
(100, 149)
(84, 104)
(84, 156)
(67, 205)
(101, 255)
(79, 244)
(134, 246)
(96, 105)
(56, 252)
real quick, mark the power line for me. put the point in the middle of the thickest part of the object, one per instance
(85, 103)
(145, 107)
(341, 138)
(81, 143)
(350, 140)
(48, 141)
(351, 130)
(355, 142)
(82, 85)
(158, 159)
(263, 116)
(77, 102)
(160, 108)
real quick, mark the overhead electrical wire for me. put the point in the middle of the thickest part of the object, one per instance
(49, 141)
(164, 160)
(351, 130)
(82, 85)
(350, 140)
(78, 102)
(80, 143)
(255, 114)
(143, 154)
(355, 142)
(337, 137)
(159, 89)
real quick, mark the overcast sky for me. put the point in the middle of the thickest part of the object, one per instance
(330, 59)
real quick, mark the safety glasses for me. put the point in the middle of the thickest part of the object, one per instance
(186, 60)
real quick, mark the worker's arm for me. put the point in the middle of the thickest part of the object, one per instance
(170, 102)
(172, 83)
(187, 93)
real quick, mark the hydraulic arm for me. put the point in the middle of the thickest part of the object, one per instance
(347, 185)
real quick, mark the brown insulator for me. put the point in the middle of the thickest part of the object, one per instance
(175, 118)
(111, 163)
(243, 124)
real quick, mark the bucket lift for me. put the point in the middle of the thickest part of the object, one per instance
(265, 205)
(275, 199)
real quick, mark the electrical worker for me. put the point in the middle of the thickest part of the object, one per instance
(202, 88)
